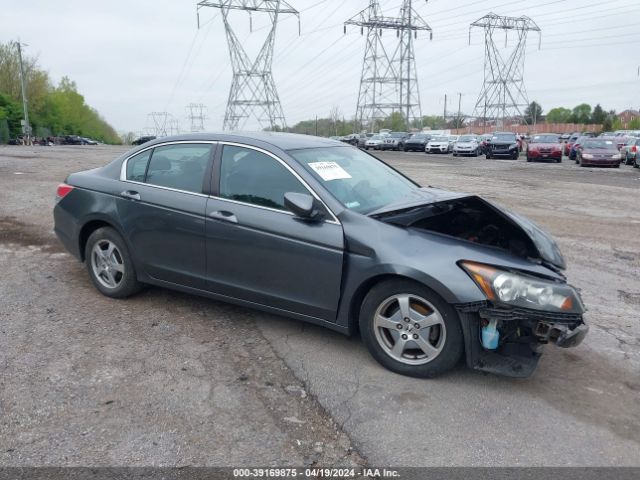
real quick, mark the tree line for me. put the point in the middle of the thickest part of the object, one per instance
(337, 125)
(54, 110)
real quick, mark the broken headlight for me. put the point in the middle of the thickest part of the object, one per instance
(519, 290)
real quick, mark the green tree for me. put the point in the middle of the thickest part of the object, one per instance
(634, 124)
(598, 115)
(4, 131)
(581, 113)
(558, 115)
(533, 113)
(607, 124)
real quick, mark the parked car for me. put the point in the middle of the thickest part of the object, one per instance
(466, 145)
(351, 139)
(598, 152)
(417, 142)
(88, 141)
(484, 140)
(141, 140)
(315, 230)
(70, 140)
(570, 142)
(503, 144)
(544, 146)
(362, 139)
(374, 142)
(440, 144)
(574, 147)
(394, 141)
(629, 151)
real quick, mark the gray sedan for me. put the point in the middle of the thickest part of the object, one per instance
(323, 232)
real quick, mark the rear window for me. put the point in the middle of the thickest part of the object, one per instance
(180, 166)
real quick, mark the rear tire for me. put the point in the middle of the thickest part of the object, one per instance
(432, 342)
(109, 264)
(488, 156)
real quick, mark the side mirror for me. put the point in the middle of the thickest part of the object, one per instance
(302, 205)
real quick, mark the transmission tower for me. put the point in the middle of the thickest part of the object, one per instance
(503, 96)
(253, 91)
(389, 81)
(196, 116)
(174, 126)
(160, 121)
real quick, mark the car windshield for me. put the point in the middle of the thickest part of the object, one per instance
(397, 134)
(505, 137)
(440, 139)
(357, 180)
(376, 137)
(545, 139)
(419, 136)
(599, 145)
(467, 138)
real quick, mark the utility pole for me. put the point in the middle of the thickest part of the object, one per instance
(23, 84)
(316, 125)
(389, 80)
(459, 105)
(445, 110)
(503, 92)
(253, 90)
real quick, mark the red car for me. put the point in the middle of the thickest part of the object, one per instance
(544, 146)
(598, 152)
(570, 142)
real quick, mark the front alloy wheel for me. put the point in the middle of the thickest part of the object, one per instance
(410, 330)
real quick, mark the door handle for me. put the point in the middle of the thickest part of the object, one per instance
(224, 215)
(130, 194)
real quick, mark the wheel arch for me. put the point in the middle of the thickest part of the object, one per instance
(355, 303)
(90, 226)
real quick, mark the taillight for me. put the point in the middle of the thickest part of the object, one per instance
(63, 190)
(634, 149)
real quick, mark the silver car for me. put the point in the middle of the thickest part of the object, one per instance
(440, 144)
(466, 145)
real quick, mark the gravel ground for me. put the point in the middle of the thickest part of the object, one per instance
(169, 379)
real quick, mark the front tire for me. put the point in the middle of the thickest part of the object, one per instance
(410, 330)
(109, 264)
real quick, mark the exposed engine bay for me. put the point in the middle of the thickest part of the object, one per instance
(468, 218)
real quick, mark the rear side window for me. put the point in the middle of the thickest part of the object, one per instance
(137, 166)
(181, 166)
(252, 177)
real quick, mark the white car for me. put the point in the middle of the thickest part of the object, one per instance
(466, 145)
(374, 142)
(438, 145)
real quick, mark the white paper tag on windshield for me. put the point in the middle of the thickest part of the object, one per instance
(329, 170)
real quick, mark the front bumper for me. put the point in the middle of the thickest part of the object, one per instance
(389, 146)
(523, 334)
(599, 162)
(545, 155)
(441, 149)
(415, 147)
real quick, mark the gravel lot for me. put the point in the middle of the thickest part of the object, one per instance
(169, 379)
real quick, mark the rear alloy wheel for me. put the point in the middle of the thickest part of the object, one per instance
(410, 330)
(109, 264)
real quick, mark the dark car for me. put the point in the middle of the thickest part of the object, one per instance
(503, 144)
(417, 142)
(70, 140)
(570, 142)
(544, 146)
(394, 141)
(319, 231)
(573, 151)
(598, 152)
(362, 139)
(141, 140)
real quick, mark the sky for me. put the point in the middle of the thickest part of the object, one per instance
(133, 57)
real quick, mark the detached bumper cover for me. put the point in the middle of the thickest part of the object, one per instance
(523, 333)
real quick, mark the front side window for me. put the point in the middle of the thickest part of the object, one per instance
(357, 180)
(137, 166)
(180, 166)
(250, 176)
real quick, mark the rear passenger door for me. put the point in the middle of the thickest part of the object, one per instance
(162, 208)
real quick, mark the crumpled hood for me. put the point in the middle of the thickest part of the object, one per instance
(546, 249)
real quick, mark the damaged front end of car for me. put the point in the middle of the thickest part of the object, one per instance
(523, 310)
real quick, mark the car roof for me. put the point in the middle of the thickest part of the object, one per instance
(283, 141)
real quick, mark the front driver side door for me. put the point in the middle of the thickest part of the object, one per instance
(257, 251)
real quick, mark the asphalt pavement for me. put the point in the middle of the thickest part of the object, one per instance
(168, 379)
